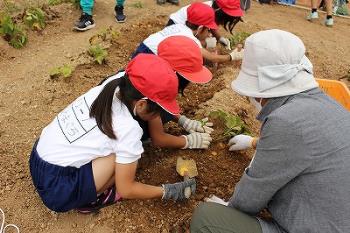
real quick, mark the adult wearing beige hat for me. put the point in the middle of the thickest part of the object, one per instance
(300, 170)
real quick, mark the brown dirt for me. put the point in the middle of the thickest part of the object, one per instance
(29, 100)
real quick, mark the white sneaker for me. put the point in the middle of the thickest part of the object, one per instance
(312, 16)
(329, 22)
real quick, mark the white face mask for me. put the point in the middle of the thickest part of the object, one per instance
(134, 111)
(255, 103)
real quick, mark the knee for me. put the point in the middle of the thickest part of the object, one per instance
(200, 217)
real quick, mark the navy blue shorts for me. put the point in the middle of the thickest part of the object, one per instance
(62, 188)
(141, 49)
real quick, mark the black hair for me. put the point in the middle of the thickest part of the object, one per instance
(101, 108)
(182, 83)
(221, 18)
(192, 26)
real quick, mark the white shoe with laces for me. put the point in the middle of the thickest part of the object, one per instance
(312, 16)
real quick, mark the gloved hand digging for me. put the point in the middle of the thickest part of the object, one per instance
(176, 191)
(197, 141)
(237, 55)
(226, 42)
(241, 142)
(192, 126)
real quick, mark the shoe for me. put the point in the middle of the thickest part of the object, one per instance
(119, 14)
(329, 22)
(312, 16)
(85, 23)
(107, 198)
(175, 2)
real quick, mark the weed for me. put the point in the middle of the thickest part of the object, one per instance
(98, 53)
(64, 71)
(12, 33)
(138, 5)
(233, 124)
(238, 38)
(34, 18)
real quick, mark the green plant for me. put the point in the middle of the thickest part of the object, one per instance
(64, 71)
(138, 5)
(98, 53)
(343, 10)
(35, 19)
(233, 124)
(238, 38)
(12, 33)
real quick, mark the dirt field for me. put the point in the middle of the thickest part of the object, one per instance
(29, 100)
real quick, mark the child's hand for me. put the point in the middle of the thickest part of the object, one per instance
(192, 126)
(226, 42)
(176, 191)
(197, 141)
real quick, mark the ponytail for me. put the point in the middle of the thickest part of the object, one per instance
(101, 108)
(221, 18)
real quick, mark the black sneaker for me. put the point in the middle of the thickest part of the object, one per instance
(85, 23)
(175, 2)
(119, 14)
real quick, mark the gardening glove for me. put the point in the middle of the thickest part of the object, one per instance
(226, 42)
(176, 191)
(192, 126)
(215, 199)
(197, 140)
(236, 55)
(211, 42)
(240, 142)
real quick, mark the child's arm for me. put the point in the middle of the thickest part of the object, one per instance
(163, 139)
(215, 57)
(128, 188)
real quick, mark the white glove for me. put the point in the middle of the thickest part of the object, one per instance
(216, 199)
(226, 42)
(192, 126)
(211, 42)
(197, 141)
(240, 142)
(235, 55)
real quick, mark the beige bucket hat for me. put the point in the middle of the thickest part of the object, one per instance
(274, 64)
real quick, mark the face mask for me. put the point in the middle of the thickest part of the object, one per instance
(255, 103)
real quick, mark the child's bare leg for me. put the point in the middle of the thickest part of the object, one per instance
(103, 171)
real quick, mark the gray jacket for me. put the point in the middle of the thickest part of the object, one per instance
(301, 169)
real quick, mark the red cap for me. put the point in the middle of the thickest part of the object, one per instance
(185, 57)
(231, 7)
(154, 78)
(201, 14)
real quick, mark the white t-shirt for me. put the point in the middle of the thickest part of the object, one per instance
(73, 138)
(180, 16)
(155, 39)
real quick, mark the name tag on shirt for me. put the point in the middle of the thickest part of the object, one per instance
(75, 121)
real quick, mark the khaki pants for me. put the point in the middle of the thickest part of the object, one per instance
(212, 217)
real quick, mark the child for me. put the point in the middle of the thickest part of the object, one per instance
(227, 13)
(200, 20)
(184, 56)
(86, 22)
(87, 156)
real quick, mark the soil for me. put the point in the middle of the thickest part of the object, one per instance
(29, 99)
